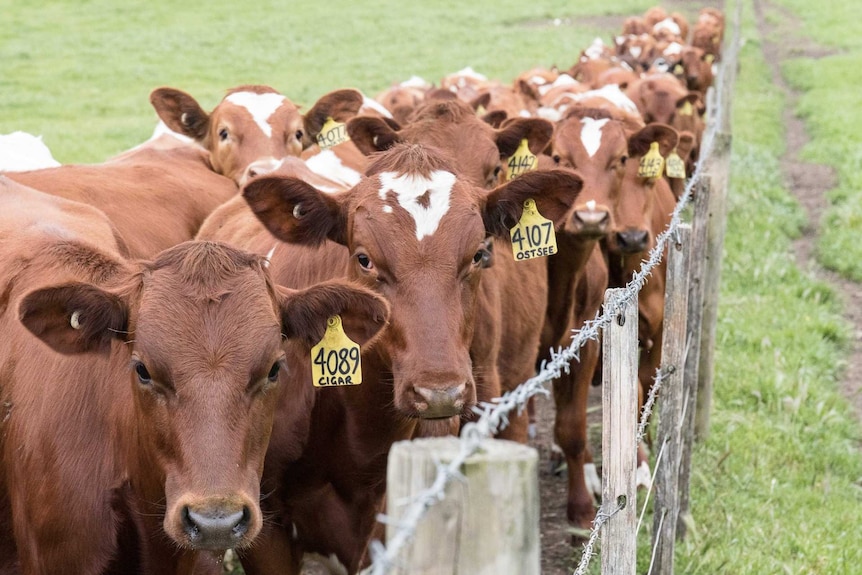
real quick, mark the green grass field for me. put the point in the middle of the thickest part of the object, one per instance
(777, 487)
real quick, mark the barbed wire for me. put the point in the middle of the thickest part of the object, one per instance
(493, 416)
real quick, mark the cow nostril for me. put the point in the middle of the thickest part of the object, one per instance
(215, 524)
(242, 525)
(189, 526)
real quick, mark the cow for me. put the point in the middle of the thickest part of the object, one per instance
(138, 396)
(421, 234)
(708, 32)
(252, 124)
(657, 97)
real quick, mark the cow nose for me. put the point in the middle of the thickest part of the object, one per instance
(260, 167)
(592, 222)
(436, 403)
(631, 241)
(215, 528)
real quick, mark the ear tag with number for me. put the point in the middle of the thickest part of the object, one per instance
(675, 166)
(533, 236)
(678, 69)
(652, 164)
(686, 109)
(331, 134)
(522, 161)
(335, 360)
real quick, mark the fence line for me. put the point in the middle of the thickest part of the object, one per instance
(493, 417)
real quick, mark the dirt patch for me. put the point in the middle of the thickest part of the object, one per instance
(807, 181)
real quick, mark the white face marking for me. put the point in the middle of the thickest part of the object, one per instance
(538, 81)
(591, 134)
(635, 51)
(260, 106)
(415, 82)
(20, 151)
(368, 103)
(595, 50)
(668, 24)
(611, 93)
(469, 72)
(328, 164)
(591, 205)
(387, 209)
(673, 49)
(409, 188)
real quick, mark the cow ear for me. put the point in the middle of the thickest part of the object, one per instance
(481, 101)
(554, 192)
(304, 312)
(74, 317)
(537, 132)
(180, 112)
(294, 211)
(640, 141)
(340, 105)
(685, 145)
(495, 118)
(371, 134)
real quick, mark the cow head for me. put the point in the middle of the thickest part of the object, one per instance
(253, 128)
(421, 236)
(202, 332)
(476, 149)
(633, 210)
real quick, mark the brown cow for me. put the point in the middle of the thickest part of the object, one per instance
(133, 435)
(252, 125)
(642, 211)
(657, 96)
(418, 233)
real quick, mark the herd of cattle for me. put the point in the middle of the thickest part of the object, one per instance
(175, 406)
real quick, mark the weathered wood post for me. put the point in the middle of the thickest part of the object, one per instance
(488, 523)
(668, 439)
(619, 430)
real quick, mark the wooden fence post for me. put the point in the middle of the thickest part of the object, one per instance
(619, 430)
(488, 524)
(671, 410)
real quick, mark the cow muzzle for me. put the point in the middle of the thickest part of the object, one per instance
(215, 524)
(591, 222)
(632, 241)
(438, 403)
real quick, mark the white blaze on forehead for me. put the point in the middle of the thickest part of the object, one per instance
(635, 51)
(260, 106)
(591, 205)
(591, 134)
(667, 24)
(369, 104)
(611, 93)
(673, 49)
(408, 188)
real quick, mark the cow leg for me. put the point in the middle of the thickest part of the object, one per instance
(570, 432)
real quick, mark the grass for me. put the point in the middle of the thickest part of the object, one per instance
(776, 487)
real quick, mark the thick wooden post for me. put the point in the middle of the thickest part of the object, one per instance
(488, 524)
(666, 508)
(619, 431)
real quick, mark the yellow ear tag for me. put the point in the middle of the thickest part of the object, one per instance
(522, 161)
(533, 236)
(652, 164)
(710, 58)
(686, 109)
(331, 134)
(675, 166)
(481, 111)
(335, 360)
(678, 69)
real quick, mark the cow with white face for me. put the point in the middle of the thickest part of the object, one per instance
(254, 127)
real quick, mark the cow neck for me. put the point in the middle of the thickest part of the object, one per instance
(565, 269)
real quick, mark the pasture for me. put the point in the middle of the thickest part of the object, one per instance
(777, 486)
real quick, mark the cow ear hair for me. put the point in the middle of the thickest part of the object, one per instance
(180, 112)
(538, 133)
(554, 192)
(340, 105)
(304, 312)
(639, 142)
(296, 212)
(372, 134)
(74, 317)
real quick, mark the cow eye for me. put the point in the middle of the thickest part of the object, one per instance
(497, 171)
(298, 134)
(556, 158)
(222, 134)
(273, 372)
(365, 262)
(623, 160)
(142, 373)
(482, 258)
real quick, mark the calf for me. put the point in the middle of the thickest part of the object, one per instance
(133, 435)
(420, 234)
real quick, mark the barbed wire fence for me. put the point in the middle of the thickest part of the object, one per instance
(493, 417)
